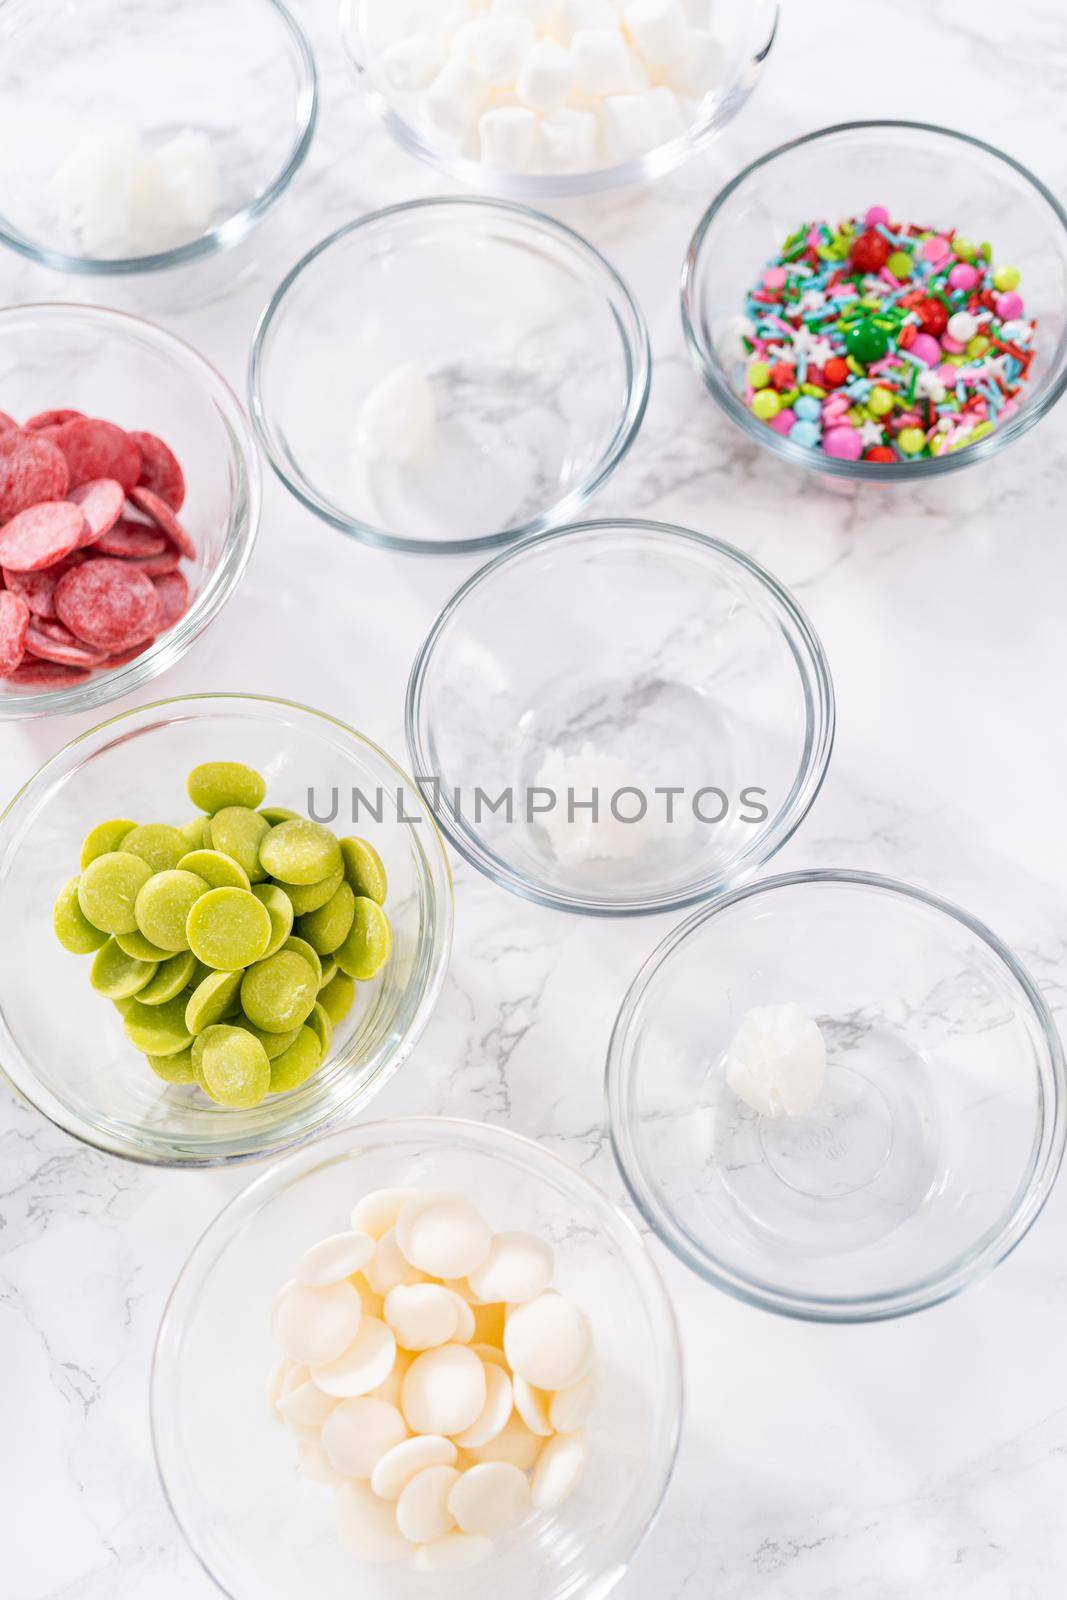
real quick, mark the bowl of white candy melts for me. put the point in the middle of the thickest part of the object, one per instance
(530, 98)
(416, 1348)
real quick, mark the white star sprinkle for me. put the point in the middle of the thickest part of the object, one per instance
(871, 433)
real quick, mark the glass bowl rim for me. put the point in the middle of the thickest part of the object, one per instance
(934, 1289)
(707, 366)
(233, 557)
(818, 745)
(637, 349)
(482, 179)
(224, 235)
(435, 870)
(532, 1157)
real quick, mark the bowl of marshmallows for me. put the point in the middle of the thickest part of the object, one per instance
(535, 98)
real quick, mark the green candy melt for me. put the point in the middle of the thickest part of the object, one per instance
(171, 979)
(238, 832)
(328, 927)
(300, 852)
(73, 929)
(211, 1000)
(108, 890)
(135, 944)
(364, 870)
(308, 953)
(163, 906)
(293, 1068)
(158, 1030)
(275, 1044)
(280, 910)
(279, 993)
(337, 997)
(310, 896)
(216, 784)
(158, 844)
(117, 975)
(234, 1067)
(173, 1069)
(228, 928)
(217, 870)
(105, 837)
(368, 944)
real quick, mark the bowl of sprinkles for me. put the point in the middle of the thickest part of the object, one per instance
(881, 300)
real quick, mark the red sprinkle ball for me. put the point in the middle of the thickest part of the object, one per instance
(90, 546)
(883, 340)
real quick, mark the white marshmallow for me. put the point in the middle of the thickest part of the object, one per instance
(313, 1325)
(508, 136)
(366, 1363)
(422, 1315)
(667, 118)
(548, 1342)
(630, 127)
(658, 30)
(398, 419)
(335, 1258)
(411, 63)
(367, 1525)
(494, 1414)
(454, 1553)
(377, 1212)
(559, 1467)
(444, 1390)
(546, 77)
(491, 1498)
(422, 1513)
(398, 1466)
(776, 1061)
(571, 15)
(700, 68)
(604, 63)
(456, 97)
(569, 141)
(498, 46)
(357, 1434)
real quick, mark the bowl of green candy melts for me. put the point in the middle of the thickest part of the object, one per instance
(207, 971)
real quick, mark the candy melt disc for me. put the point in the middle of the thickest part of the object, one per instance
(422, 1315)
(559, 1467)
(398, 1466)
(514, 1443)
(491, 1498)
(160, 471)
(390, 1389)
(366, 1363)
(306, 1406)
(335, 1258)
(444, 1390)
(494, 1414)
(569, 1408)
(315, 1462)
(31, 470)
(100, 501)
(41, 535)
(161, 514)
(465, 1324)
(519, 1267)
(376, 1213)
(443, 1235)
(454, 1553)
(548, 1341)
(422, 1513)
(532, 1406)
(357, 1434)
(107, 603)
(367, 1525)
(14, 625)
(316, 1325)
(389, 1266)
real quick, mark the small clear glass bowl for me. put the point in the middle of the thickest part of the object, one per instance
(62, 1045)
(536, 352)
(936, 1138)
(239, 73)
(715, 687)
(745, 29)
(920, 173)
(260, 1528)
(117, 367)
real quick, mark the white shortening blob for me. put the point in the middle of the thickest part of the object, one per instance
(120, 199)
(509, 136)
(583, 839)
(776, 1061)
(398, 418)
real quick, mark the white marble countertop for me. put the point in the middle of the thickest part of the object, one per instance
(926, 1457)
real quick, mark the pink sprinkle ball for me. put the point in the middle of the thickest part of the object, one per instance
(926, 348)
(844, 443)
(963, 276)
(784, 421)
(774, 278)
(1009, 305)
(876, 217)
(951, 346)
(935, 249)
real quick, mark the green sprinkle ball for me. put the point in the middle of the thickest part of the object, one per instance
(230, 945)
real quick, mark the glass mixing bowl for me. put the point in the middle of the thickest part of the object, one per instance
(936, 1138)
(919, 173)
(238, 76)
(62, 1045)
(534, 349)
(262, 1530)
(528, 688)
(745, 30)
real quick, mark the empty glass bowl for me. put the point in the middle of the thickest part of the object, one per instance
(920, 174)
(703, 720)
(139, 134)
(119, 368)
(262, 1529)
(935, 1140)
(744, 31)
(62, 1045)
(522, 341)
